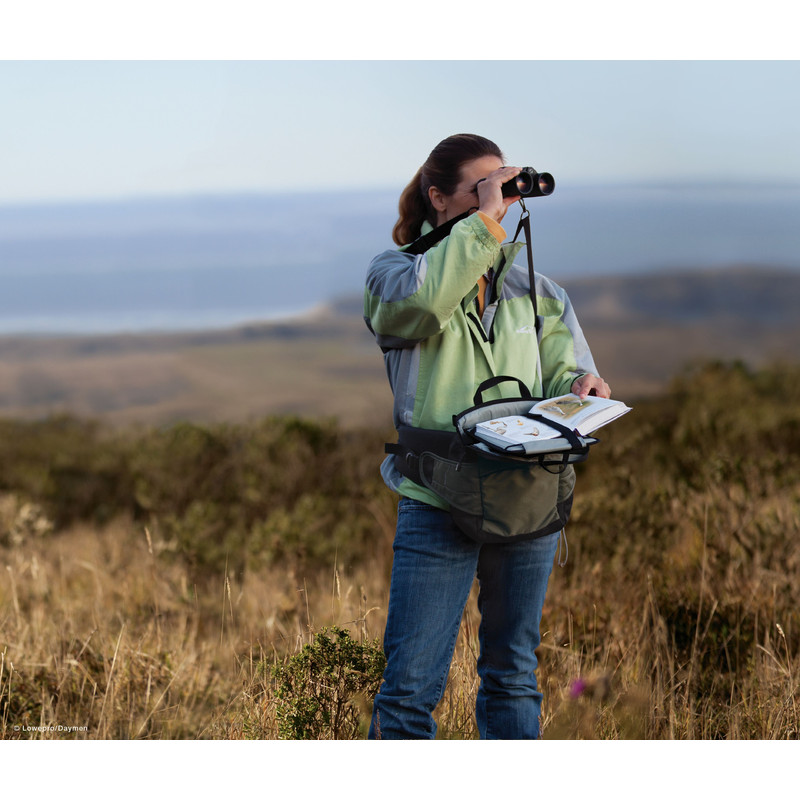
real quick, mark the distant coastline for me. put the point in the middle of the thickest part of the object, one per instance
(190, 263)
(156, 323)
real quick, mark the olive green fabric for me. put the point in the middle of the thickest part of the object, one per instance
(501, 499)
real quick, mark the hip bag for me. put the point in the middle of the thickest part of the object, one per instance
(493, 496)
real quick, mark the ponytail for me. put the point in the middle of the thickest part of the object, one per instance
(442, 170)
(414, 209)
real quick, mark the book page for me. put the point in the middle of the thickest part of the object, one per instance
(516, 429)
(565, 407)
(582, 415)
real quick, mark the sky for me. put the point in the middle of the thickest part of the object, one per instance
(133, 125)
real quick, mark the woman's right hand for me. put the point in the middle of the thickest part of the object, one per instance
(490, 192)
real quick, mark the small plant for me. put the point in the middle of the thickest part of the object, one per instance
(324, 690)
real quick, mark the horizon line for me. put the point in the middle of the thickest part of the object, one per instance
(296, 193)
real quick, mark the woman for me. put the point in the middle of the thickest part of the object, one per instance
(447, 320)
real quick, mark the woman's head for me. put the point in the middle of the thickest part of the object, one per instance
(442, 171)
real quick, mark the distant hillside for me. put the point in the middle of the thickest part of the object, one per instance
(762, 296)
(643, 330)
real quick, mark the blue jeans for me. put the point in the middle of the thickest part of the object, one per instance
(432, 574)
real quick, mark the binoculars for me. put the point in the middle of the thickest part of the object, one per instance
(529, 183)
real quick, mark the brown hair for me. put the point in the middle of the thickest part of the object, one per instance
(442, 170)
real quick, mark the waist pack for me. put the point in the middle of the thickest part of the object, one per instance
(493, 496)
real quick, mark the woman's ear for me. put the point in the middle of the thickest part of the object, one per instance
(437, 199)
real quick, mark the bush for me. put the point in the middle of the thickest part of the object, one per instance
(325, 691)
(281, 490)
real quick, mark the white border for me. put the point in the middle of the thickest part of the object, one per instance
(366, 30)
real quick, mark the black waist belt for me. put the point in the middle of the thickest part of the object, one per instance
(412, 442)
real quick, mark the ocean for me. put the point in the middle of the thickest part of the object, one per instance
(198, 262)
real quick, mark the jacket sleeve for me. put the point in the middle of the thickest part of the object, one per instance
(563, 349)
(409, 298)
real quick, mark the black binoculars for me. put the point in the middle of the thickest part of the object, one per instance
(529, 183)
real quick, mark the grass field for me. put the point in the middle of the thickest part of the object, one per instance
(159, 582)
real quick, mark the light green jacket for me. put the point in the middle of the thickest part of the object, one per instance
(422, 311)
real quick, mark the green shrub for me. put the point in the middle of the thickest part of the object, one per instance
(76, 469)
(216, 495)
(326, 690)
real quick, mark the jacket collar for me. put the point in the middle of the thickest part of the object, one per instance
(509, 249)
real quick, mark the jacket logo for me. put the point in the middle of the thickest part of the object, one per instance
(531, 329)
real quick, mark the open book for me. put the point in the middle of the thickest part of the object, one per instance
(522, 432)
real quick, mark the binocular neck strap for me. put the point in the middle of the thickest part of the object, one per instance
(423, 243)
(525, 224)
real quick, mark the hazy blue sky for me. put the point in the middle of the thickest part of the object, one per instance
(109, 128)
(81, 129)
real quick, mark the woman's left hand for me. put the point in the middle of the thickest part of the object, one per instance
(590, 384)
(490, 192)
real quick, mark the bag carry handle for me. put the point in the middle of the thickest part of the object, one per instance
(524, 394)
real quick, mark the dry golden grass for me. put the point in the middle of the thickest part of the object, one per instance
(100, 636)
(676, 616)
(106, 640)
